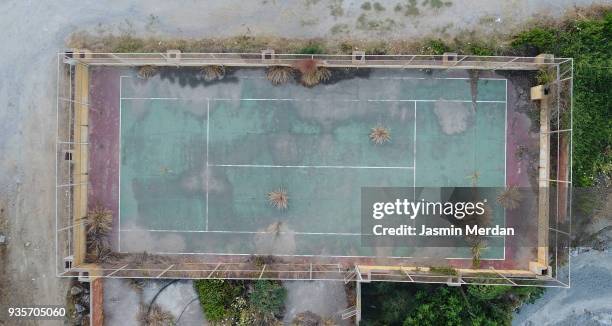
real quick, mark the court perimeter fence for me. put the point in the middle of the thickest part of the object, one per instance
(72, 175)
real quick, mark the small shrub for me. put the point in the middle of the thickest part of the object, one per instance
(435, 47)
(366, 5)
(378, 7)
(216, 297)
(535, 41)
(545, 77)
(312, 48)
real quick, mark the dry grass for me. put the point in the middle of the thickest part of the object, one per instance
(380, 135)
(146, 72)
(278, 198)
(510, 198)
(279, 75)
(211, 73)
(155, 316)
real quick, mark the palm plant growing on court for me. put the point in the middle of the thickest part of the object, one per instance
(98, 228)
(510, 198)
(146, 72)
(475, 176)
(279, 74)
(478, 246)
(380, 135)
(311, 73)
(278, 198)
(213, 72)
(99, 221)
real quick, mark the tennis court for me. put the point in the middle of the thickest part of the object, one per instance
(198, 160)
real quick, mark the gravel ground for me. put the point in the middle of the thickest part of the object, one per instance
(33, 31)
(587, 302)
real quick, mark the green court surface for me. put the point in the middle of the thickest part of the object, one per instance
(198, 161)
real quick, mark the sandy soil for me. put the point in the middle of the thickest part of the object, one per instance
(32, 32)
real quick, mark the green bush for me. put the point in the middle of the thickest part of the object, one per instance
(312, 48)
(436, 47)
(535, 41)
(425, 304)
(268, 298)
(487, 292)
(216, 297)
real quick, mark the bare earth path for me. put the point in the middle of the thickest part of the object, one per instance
(31, 32)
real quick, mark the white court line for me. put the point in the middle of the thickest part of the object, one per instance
(267, 232)
(348, 100)
(414, 159)
(119, 168)
(150, 98)
(285, 255)
(311, 166)
(506, 158)
(207, 141)
(245, 232)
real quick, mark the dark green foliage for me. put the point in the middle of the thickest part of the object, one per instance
(231, 302)
(421, 304)
(589, 42)
(216, 297)
(268, 298)
(487, 292)
(535, 41)
(312, 48)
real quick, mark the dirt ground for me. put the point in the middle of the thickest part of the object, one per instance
(325, 299)
(32, 32)
(122, 301)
